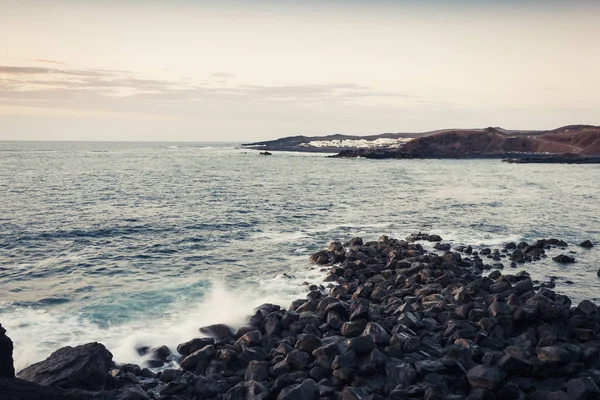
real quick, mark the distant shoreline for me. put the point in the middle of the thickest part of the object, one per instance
(574, 144)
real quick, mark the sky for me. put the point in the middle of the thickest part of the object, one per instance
(184, 70)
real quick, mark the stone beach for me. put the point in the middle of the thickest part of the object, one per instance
(391, 320)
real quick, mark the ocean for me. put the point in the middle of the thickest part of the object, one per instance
(140, 244)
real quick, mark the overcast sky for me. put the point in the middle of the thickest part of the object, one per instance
(250, 70)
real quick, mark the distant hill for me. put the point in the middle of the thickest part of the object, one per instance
(576, 139)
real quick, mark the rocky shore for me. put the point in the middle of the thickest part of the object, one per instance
(391, 320)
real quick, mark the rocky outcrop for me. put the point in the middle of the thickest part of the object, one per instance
(7, 369)
(81, 367)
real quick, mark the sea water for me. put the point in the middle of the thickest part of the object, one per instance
(140, 244)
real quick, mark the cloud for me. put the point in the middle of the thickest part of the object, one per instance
(223, 75)
(38, 70)
(49, 61)
(123, 91)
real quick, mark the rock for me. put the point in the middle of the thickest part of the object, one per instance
(586, 244)
(583, 389)
(297, 360)
(170, 375)
(252, 338)
(217, 331)
(81, 367)
(307, 390)
(399, 373)
(353, 328)
(7, 369)
(361, 344)
(202, 356)
(499, 308)
(376, 331)
(558, 395)
(188, 348)
(563, 259)
(320, 258)
(158, 356)
(588, 307)
(355, 393)
(256, 371)
(356, 241)
(18, 389)
(347, 360)
(308, 343)
(484, 377)
(558, 354)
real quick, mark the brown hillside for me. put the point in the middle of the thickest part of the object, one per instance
(582, 139)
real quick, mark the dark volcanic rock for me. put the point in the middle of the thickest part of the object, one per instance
(217, 331)
(587, 244)
(563, 259)
(484, 377)
(7, 369)
(83, 367)
(195, 344)
(19, 389)
(583, 389)
(307, 390)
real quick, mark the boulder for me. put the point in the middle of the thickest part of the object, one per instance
(563, 259)
(188, 348)
(19, 389)
(217, 331)
(7, 369)
(587, 244)
(307, 390)
(202, 356)
(583, 389)
(484, 377)
(83, 367)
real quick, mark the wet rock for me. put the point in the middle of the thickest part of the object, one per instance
(321, 258)
(400, 374)
(170, 375)
(498, 308)
(353, 328)
(563, 259)
(377, 332)
(361, 344)
(308, 343)
(588, 307)
(354, 242)
(195, 344)
(307, 390)
(297, 360)
(484, 377)
(81, 367)
(557, 354)
(217, 331)
(347, 360)
(355, 393)
(583, 389)
(252, 338)
(202, 356)
(256, 371)
(586, 244)
(559, 395)
(7, 369)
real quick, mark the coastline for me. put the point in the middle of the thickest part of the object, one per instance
(394, 321)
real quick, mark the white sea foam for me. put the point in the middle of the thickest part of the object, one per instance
(36, 333)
